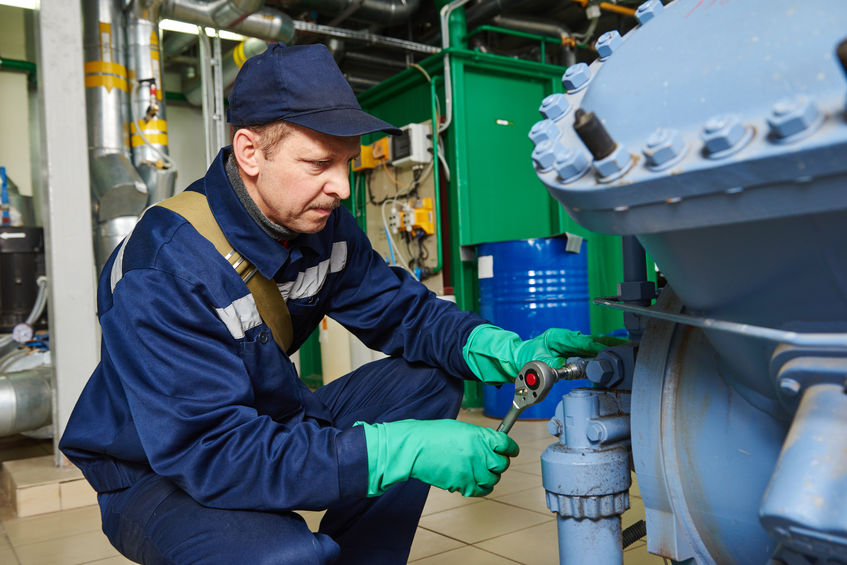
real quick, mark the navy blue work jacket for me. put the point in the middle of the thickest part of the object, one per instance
(191, 383)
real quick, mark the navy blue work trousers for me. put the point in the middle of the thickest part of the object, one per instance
(156, 523)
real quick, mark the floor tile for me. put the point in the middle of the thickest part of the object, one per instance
(313, 519)
(114, 560)
(533, 468)
(538, 545)
(83, 548)
(514, 481)
(7, 556)
(440, 500)
(477, 522)
(23, 531)
(429, 543)
(533, 499)
(635, 512)
(465, 556)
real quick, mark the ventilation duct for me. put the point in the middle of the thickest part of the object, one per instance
(382, 12)
(242, 16)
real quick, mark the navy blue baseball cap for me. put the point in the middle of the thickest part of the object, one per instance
(303, 85)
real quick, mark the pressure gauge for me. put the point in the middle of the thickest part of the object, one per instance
(22, 333)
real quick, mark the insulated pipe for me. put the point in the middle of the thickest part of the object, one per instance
(217, 13)
(148, 118)
(246, 17)
(26, 399)
(117, 189)
(382, 12)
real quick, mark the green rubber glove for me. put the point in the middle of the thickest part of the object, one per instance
(447, 454)
(496, 355)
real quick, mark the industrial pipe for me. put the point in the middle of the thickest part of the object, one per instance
(540, 27)
(231, 64)
(117, 189)
(26, 399)
(364, 37)
(382, 12)
(246, 17)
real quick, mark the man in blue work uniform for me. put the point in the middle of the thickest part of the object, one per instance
(195, 430)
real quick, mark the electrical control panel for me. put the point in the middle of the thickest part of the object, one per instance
(413, 146)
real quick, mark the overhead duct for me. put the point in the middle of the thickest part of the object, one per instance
(242, 16)
(382, 12)
(118, 192)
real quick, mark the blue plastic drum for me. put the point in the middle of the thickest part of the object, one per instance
(527, 287)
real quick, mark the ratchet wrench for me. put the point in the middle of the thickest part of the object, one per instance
(534, 381)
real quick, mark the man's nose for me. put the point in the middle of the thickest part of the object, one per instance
(338, 184)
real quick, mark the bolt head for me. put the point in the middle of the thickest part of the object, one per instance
(791, 116)
(555, 427)
(663, 146)
(648, 10)
(599, 371)
(722, 132)
(618, 161)
(595, 432)
(545, 130)
(544, 154)
(789, 387)
(555, 106)
(571, 163)
(608, 43)
(576, 77)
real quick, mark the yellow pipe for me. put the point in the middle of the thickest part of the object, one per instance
(609, 7)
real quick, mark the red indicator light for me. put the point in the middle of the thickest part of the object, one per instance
(531, 379)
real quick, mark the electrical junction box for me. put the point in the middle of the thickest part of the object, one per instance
(413, 147)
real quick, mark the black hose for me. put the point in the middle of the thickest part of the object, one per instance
(634, 533)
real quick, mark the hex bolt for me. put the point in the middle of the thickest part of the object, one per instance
(791, 116)
(543, 131)
(663, 146)
(722, 133)
(576, 77)
(555, 107)
(614, 165)
(596, 432)
(571, 163)
(648, 10)
(789, 386)
(607, 44)
(599, 371)
(544, 154)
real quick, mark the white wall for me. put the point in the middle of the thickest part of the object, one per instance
(186, 143)
(14, 105)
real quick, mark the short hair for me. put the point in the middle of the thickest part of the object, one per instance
(269, 135)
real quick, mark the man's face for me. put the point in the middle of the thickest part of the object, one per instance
(304, 178)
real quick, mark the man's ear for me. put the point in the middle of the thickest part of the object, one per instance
(246, 150)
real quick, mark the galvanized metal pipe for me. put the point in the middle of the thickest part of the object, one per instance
(246, 17)
(117, 189)
(26, 399)
(231, 64)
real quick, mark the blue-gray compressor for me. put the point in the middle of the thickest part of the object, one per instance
(607, 43)
(571, 163)
(722, 133)
(791, 116)
(555, 107)
(545, 130)
(648, 10)
(663, 147)
(544, 155)
(576, 77)
(612, 166)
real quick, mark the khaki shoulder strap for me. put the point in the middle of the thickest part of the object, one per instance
(194, 207)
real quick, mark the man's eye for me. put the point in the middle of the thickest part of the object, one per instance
(321, 164)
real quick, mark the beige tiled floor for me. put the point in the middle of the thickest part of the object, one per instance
(512, 525)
